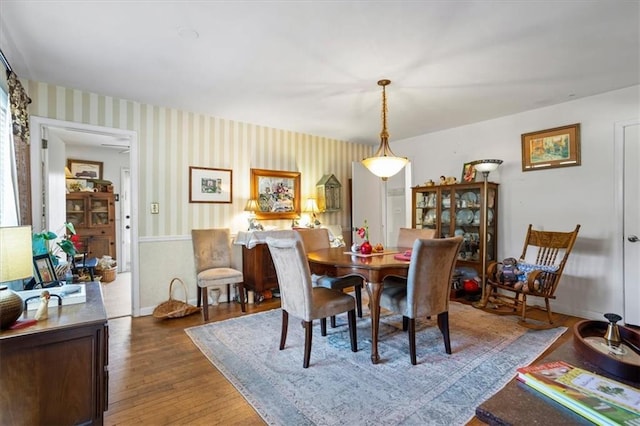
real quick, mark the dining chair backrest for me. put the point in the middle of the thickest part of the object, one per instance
(407, 236)
(211, 248)
(294, 276)
(429, 278)
(314, 239)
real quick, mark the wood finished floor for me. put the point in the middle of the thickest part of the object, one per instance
(157, 376)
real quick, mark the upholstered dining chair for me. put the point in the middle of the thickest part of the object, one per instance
(212, 258)
(317, 239)
(427, 291)
(406, 237)
(300, 299)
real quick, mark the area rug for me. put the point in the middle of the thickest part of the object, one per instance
(342, 387)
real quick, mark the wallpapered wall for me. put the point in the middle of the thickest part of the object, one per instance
(170, 141)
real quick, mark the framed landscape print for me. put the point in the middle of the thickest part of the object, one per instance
(85, 169)
(208, 185)
(277, 193)
(551, 148)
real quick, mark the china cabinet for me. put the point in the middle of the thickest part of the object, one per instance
(93, 216)
(457, 210)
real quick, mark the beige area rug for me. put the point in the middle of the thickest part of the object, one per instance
(342, 387)
(117, 296)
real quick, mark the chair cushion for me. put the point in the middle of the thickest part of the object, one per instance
(219, 276)
(338, 283)
(394, 298)
(327, 303)
(526, 268)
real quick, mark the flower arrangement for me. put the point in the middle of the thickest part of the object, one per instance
(363, 232)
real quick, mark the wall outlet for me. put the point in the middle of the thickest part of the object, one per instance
(155, 208)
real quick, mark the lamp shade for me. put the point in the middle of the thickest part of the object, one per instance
(486, 165)
(16, 258)
(384, 167)
(311, 206)
(252, 206)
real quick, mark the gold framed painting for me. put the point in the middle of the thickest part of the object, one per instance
(551, 148)
(468, 173)
(207, 185)
(277, 193)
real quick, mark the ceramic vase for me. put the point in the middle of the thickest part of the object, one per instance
(366, 248)
(10, 307)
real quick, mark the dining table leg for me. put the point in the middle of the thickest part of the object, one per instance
(374, 290)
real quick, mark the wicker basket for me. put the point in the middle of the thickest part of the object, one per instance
(175, 308)
(108, 274)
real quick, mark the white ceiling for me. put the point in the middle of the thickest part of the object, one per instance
(312, 66)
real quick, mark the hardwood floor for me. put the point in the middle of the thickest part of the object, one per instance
(157, 376)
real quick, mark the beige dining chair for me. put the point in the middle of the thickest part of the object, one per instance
(212, 258)
(427, 291)
(299, 298)
(318, 239)
(406, 237)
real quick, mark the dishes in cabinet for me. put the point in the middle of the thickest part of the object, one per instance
(446, 216)
(476, 217)
(464, 217)
(470, 197)
(430, 217)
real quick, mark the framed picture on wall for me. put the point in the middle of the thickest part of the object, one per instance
(85, 169)
(551, 148)
(207, 185)
(277, 193)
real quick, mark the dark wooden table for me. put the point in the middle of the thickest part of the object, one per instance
(518, 404)
(334, 262)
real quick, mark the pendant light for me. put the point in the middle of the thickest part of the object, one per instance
(384, 163)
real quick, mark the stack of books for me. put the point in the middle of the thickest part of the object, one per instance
(599, 399)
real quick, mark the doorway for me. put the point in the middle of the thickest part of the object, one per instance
(48, 197)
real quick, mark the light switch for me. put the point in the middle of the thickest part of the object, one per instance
(155, 208)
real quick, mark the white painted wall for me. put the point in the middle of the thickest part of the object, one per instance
(555, 199)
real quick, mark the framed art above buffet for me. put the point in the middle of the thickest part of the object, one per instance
(277, 193)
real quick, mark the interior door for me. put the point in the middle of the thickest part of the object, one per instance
(631, 223)
(54, 194)
(125, 222)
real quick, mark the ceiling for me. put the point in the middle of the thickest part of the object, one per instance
(312, 66)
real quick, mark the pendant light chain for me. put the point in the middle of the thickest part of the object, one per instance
(384, 134)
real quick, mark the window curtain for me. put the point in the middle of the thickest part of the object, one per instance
(19, 102)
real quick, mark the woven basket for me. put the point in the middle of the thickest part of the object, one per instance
(108, 274)
(173, 308)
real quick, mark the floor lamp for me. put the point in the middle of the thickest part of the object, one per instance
(486, 167)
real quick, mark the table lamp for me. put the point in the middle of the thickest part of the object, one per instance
(311, 206)
(486, 167)
(16, 263)
(252, 207)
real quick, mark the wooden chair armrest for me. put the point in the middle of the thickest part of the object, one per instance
(541, 282)
(492, 268)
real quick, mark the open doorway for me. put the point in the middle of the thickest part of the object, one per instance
(53, 142)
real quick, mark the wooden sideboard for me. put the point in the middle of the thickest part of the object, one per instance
(257, 268)
(55, 372)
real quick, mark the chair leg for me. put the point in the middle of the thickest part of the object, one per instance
(308, 335)
(205, 302)
(358, 289)
(352, 330)
(241, 296)
(228, 293)
(443, 325)
(549, 315)
(283, 330)
(199, 293)
(323, 326)
(412, 340)
(524, 307)
(405, 323)
(333, 321)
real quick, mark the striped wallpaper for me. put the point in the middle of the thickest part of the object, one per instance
(170, 141)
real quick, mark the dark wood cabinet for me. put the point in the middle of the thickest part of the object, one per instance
(257, 268)
(93, 216)
(56, 372)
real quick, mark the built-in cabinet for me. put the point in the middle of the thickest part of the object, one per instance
(458, 210)
(56, 371)
(93, 216)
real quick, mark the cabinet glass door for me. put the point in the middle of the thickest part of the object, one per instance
(99, 212)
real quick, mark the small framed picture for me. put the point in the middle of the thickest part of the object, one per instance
(43, 268)
(551, 148)
(468, 173)
(85, 169)
(208, 185)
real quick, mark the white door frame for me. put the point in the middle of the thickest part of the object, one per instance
(619, 162)
(37, 124)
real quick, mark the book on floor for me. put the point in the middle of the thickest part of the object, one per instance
(599, 399)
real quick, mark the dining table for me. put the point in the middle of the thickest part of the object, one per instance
(338, 262)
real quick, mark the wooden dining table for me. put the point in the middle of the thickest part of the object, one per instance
(337, 262)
